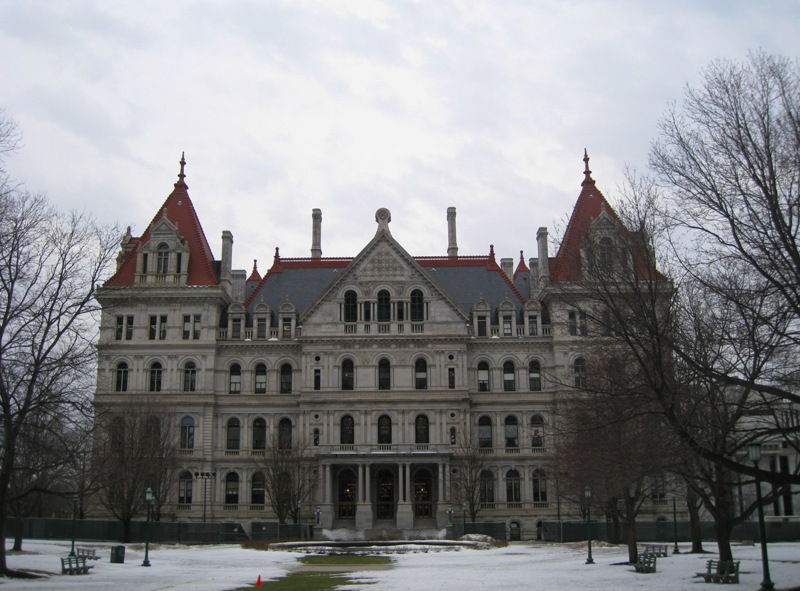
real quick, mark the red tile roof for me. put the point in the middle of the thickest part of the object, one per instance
(521, 267)
(181, 213)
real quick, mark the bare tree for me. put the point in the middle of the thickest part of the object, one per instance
(50, 267)
(469, 461)
(289, 476)
(135, 448)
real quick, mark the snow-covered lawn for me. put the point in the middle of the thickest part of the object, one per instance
(521, 565)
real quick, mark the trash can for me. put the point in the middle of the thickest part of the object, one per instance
(118, 554)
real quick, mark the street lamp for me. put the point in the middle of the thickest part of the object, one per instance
(588, 494)
(148, 498)
(74, 515)
(676, 550)
(754, 453)
(449, 514)
(463, 518)
(205, 477)
(317, 512)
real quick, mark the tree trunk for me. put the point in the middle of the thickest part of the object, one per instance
(18, 530)
(722, 529)
(695, 531)
(630, 534)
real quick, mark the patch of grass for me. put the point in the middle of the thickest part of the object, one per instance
(304, 582)
(344, 559)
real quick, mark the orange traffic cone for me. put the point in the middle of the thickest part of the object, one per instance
(258, 582)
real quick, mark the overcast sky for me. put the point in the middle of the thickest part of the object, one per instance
(348, 106)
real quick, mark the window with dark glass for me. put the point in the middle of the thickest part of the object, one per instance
(537, 431)
(348, 375)
(287, 328)
(451, 377)
(485, 432)
(286, 379)
(261, 379)
(486, 487)
(189, 377)
(236, 328)
(187, 327)
(124, 328)
(384, 306)
(512, 487)
(579, 372)
(483, 377)
(233, 434)
(604, 252)
(122, 377)
(572, 322)
(539, 487)
(481, 326)
(348, 433)
(532, 326)
(185, 488)
(384, 429)
(317, 378)
(509, 377)
(261, 328)
(235, 379)
(534, 376)
(384, 375)
(178, 262)
(507, 326)
(421, 374)
(511, 432)
(421, 429)
(258, 489)
(155, 377)
(187, 433)
(158, 327)
(232, 489)
(162, 259)
(417, 306)
(259, 434)
(350, 306)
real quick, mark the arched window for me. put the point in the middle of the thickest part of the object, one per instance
(511, 432)
(384, 430)
(421, 429)
(421, 374)
(509, 377)
(259, 434)
(235, 379)
(534, 376)
(187, 433)
(185, 488)
(122, 377)
(232, 489)
(155, 376)
(189, 377)
(605, 253)
(579, 372)
(537, 431)
(348, 430)
(233, 434)
(350, 306)
(384, 374)
(486, 487)
(384, 306)
(483, 377)
(285, 434)
(261, 379)
(162, 259)
(258, 489)
(417, 306)
(485, 432)
(286, 379)
(539, 487)
(348, 374)
(512, 487)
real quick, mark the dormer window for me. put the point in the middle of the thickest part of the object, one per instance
(162, 259)
(604, 253)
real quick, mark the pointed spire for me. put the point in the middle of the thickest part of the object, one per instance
(521, 267)
(255, 275)
(587, 174)
(491, 253)
(181, 175)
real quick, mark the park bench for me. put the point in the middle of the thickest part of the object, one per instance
(75, 565)
(87, 553)
(646, 564)
(657, 549)
(721, 571)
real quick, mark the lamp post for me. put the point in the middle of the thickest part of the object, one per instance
(148, 498)
(588, 494)
(675, 550)
(449, 514)
(317, 512)
(463, 518)
(754, 453)
(74, 515)
(205, 477)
